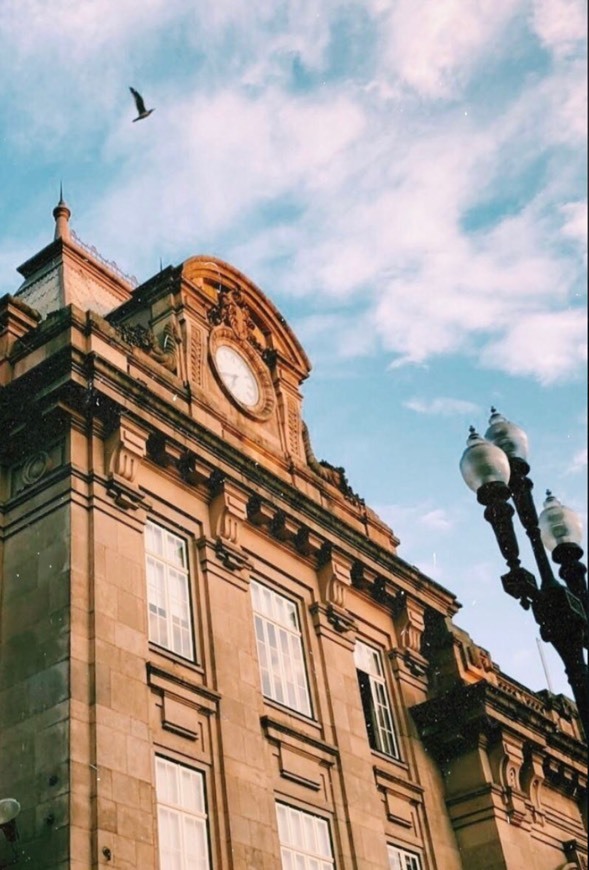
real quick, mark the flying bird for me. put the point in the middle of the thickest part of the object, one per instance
(142, 111)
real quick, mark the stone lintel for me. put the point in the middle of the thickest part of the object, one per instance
(204, 699)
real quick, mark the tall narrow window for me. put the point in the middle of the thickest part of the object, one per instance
(182, 819)
(280, 650)
(399, 859)
(304, 840)
(167, 591)
(375, 699)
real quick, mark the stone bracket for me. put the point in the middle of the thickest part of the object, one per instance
(124, 451)
(227, 511)
(334, 579)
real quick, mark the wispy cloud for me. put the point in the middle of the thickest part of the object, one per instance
(344, 156)
(579, 462)
(406, 520)
(433, 47)
(443, 405)
(560, 24)
(548, 345)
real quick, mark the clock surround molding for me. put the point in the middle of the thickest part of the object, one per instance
(224, 336)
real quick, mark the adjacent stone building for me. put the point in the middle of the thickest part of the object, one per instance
(211, 654)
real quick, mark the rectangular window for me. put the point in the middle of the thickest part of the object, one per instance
(182, 819)
(305, 843)
(280, 649)
(168, 591)
(375, 699)
(399, 859)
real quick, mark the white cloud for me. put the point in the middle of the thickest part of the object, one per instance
(437, 519)
(560, 24)
(381, 183)
(409, 521)
(442, 405)
(579, 462)
(433, 46)
(551, 346)
(575, 224)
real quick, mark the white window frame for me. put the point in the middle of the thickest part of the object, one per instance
(375, 700)
(400, 859)
(279, 641)
(168, 591)
(183, 833)
(305, 839)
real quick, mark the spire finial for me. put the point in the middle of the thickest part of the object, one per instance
(62, 215)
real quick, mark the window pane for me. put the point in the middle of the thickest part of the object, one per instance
(154, 539)
(375, 700)
(304, 839)
(182, 824)
(280, 652)
(399, 859)
(168, 591)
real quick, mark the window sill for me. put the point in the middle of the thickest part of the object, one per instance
(292, 717)
(390, 759)
(169, 655)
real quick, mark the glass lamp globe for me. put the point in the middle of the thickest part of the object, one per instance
(559, 524)
(483, 462)
(506, 435)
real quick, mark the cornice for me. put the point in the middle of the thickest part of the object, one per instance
(94, 386)
(460, 718)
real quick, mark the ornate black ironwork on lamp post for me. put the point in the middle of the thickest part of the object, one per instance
(496, 468)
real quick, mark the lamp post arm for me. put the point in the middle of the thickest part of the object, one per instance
(499, 514)
(572, 570)
(521, 487)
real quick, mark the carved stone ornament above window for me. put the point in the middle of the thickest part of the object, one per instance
(164, 349)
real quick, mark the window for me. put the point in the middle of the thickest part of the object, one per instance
(280, 651)
(182, 819)
(399, 859)
(167, 591)
(304, 840)
(375, 700)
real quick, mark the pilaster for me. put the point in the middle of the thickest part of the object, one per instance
(248, 775)
(360, 806)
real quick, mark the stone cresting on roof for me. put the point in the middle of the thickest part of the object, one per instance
(333, 474)
(110, 264)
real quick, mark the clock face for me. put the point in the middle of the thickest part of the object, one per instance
(237, 376)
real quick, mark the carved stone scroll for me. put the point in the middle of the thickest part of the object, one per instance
(334, 578)
(124, 450)
(227, 512)
(409, 618)
(532, 781)
(506, 757)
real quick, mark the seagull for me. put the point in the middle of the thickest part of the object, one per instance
(143, 112)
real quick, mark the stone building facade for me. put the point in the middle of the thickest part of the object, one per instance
(211, 653)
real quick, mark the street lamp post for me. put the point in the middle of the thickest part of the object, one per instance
(496, 468)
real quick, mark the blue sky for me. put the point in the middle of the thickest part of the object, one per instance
(404, 178)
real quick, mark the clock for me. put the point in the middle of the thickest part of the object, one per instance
(237, 375)
(241, 373)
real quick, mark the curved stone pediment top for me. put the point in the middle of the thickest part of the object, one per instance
(239, 304)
